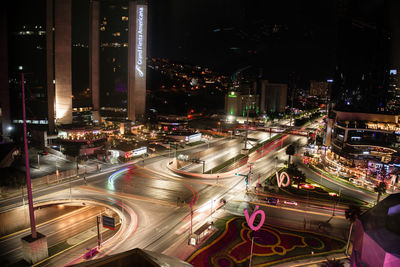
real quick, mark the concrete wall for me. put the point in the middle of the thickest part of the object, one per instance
(17, 219)
(55, 152)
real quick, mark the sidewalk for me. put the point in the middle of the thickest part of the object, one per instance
(315, 262)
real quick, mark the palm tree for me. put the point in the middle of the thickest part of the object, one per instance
(290, 150)
(297, 175)
(380, 189)
(351, 214)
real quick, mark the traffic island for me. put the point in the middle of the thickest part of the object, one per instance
(231, 245)
(34, 249)
(309, 190)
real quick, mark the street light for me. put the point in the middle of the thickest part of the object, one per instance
(246, 179)
(38, 160)
(251, 249)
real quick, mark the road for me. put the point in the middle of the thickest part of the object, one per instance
(154, 202)
(56, 231)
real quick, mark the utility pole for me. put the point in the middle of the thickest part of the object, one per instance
(251, 250)
(28, 175)
(98, 232)
(247, 119)
(191, 218)
(251, 165)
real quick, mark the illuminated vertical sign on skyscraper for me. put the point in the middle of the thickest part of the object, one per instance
(137, 60)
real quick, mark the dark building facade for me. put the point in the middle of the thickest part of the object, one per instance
(362, 56)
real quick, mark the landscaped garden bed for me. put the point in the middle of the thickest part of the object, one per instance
(313, 191)
(231, 245)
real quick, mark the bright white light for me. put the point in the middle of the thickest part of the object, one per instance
(230, 118)
(10, 128)
(20, 67)
(139, 43)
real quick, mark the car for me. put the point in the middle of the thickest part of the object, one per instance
(272, 200)
(290, 202)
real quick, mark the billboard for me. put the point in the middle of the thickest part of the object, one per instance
(108, 222)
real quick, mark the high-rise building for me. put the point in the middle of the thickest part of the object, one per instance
(62, 61)
(137, 59)
(393, 88)
(26, 53)
(114, 35)
(238, 104)
(319, 89)
(273, 97)
(4, 90)
(94, 58)
(50, 64)
(232, 103)
(362, 56)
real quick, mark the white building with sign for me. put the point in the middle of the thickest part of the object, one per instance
(137, 59)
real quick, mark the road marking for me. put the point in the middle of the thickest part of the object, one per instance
(341, 185)
(46, 222)
(291, 209)
(181, 179)
(62, 251)
(127, 195)
(312, 200)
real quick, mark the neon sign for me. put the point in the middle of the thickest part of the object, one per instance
(139, 42)
(281, 178)
(250, 220)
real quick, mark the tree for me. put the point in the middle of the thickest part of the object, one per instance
(351, 215)
(380, 189)
(290, 150)
(332, 263)
(12, 177)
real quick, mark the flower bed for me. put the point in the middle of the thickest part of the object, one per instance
(272, 245)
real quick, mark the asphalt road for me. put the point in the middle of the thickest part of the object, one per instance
(147, 194)
(56, 231)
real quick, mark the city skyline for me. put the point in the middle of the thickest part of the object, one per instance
(200, 133)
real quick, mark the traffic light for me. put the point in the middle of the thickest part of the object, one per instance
(247, 180)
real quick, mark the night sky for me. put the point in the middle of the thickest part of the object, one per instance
(279, 37)
(275, 35)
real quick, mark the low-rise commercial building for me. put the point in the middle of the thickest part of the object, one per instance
(367, 141)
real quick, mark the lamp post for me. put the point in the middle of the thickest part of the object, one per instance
(38, 160)
(252, 242)
(28, 175)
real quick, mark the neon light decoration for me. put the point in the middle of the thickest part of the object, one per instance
(281, 178)
(250, 220)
